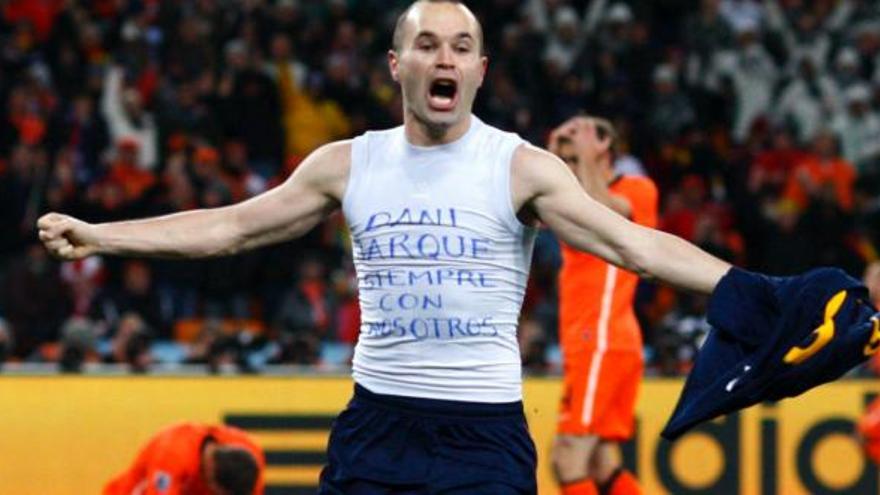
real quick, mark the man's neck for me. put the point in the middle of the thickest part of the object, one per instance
(421, 133)
(606, 168)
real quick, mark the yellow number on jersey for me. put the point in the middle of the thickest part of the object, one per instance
(824, 333)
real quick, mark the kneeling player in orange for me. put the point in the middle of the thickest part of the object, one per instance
(194, 459)
(598, 331)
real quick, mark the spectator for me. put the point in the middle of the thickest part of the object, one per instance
(78, 341)
(82, 130)
(250, 109)
(808, 100)
(683, 332)
(806, 38)
(348, 312)
(742, 11)
(772, 167)
(36, 301)
(705, 33)
(131, 344)
(307, 308)
(753, 75)
(135, 294)
(84, 279)
(823, 175)
(848, 68)
(128, 121)
(858, 127)
(565, 39)
(671, 111)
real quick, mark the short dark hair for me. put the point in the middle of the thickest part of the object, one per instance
(235, 470)
(397, 38)
(605, 129)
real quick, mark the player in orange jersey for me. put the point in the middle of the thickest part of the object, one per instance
(600, 337)
(194, 459)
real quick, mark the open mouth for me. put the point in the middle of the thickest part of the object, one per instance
(442, 94)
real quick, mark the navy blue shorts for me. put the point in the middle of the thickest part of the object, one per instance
(386, 444)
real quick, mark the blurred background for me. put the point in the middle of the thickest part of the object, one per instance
(758, 119)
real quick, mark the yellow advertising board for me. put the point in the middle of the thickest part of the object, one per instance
(67, 435)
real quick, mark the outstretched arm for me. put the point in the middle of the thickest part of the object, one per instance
(542, 183)
(283, 213)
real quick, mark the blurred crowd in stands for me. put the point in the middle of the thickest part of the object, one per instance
(758, 119)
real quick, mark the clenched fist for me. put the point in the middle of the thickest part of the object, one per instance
(66, 237)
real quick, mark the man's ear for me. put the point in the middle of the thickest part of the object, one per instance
(393, 63)
(606, 144)
(484, 61)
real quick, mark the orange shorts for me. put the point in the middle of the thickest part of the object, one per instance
(599, 394)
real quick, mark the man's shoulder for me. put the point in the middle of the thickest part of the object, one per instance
(498, 133)
(183, 433)
(379, 134)
(328, 159)
(328, 167)
(634, 184)
(527, 154)
(531, 163)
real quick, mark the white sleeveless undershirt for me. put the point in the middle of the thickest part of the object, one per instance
(442, 265)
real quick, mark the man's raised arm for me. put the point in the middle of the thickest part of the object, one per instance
(282, 213)
(541, 182)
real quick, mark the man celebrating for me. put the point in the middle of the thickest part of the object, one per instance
(600, 337)
(442, 213)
